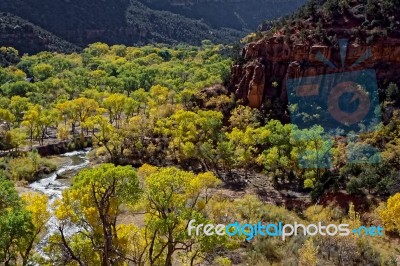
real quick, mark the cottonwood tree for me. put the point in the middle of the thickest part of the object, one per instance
(7, 118)
(42, 71)
(17, 231)
(78, 111)
(245, 144)
(172, 198)
(277, 158)
(140, 96)
(314, 150)
(37, 120)
(135, 132)
(244, 116)
(18, 106)
(115, 104)
(193, 135)
(92, 205)
(36, 205)
(107, 136)
(31, 121)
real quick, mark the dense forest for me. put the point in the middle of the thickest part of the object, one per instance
(167, 143)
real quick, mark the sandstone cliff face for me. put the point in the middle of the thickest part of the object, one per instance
(269, 62)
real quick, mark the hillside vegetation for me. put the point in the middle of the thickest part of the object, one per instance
(132, 22)
(27, 37)
(326, 21)
(236, 14)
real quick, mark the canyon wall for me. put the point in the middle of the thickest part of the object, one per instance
(270, 62)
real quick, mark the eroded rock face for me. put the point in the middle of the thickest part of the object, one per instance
(270, 62)
(64, 146)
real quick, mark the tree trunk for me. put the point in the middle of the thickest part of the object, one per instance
(170, 250)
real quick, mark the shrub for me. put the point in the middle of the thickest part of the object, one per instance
(221, 261)
(30, 167)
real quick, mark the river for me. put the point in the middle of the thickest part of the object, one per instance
(53, 187)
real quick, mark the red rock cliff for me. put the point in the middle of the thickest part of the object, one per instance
(269, 62)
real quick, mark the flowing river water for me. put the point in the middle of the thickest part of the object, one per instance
(53, 187)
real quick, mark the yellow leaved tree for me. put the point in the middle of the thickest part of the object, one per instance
(308, 254)
(36, 205)
(90, 210)
(390, 214)
(173, 197)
